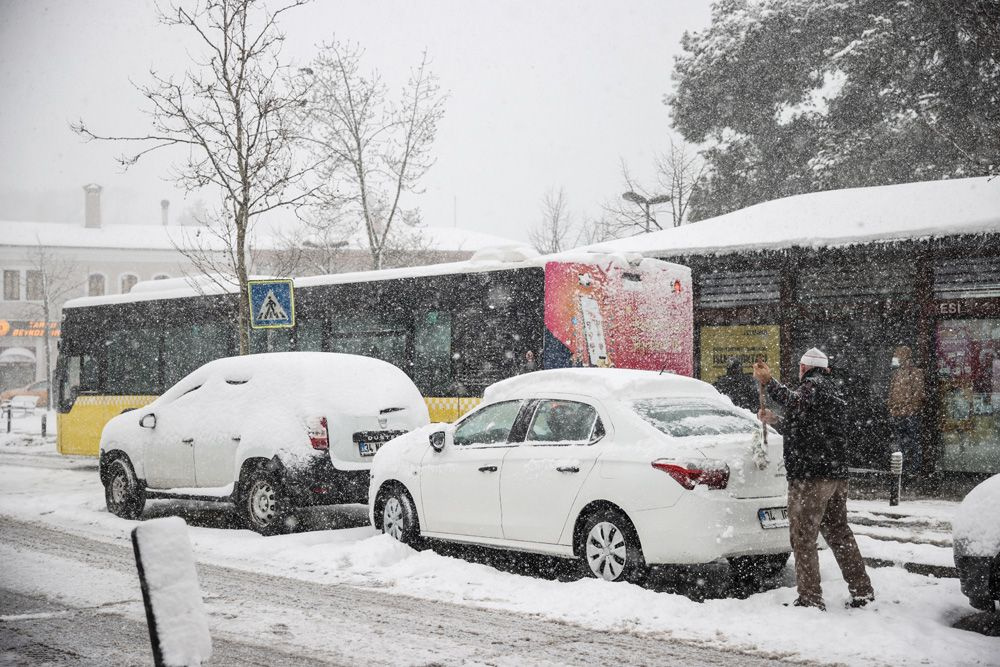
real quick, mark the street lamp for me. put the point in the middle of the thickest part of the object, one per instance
(636, 198)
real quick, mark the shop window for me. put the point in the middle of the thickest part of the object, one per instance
(968, 364)
(95, 284)
(128, 281)
(34, 286)
(12, 285)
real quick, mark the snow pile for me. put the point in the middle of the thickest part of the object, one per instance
(977, 522)
(835, 217)
(170, 587)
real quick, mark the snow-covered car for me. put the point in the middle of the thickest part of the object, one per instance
(620, 468)
(976, 544)
(268, 432)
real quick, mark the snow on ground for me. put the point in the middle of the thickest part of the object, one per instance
(908, 624)
(25, 429)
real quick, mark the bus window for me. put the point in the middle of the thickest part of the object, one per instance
(133, 362)
(188, 347)
(309, 335)
(79, 374)
(432, 352)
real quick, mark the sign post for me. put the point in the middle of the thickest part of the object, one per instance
(272, 304)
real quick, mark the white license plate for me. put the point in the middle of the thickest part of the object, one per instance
(773, 517)
(369, 448)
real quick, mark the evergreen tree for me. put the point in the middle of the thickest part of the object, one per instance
(793, 96)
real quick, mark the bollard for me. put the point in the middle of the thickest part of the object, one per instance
(896, 469)
(8, 418)
(45, 416)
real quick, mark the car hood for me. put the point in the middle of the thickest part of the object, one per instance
(976, 526)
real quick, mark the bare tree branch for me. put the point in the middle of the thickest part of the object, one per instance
(551, 233)
(235, 110)
(373, 151)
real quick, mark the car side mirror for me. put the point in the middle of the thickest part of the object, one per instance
(437, 439)
(148, 421)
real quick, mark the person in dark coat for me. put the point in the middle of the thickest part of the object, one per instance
(738, 386)
(815, 450)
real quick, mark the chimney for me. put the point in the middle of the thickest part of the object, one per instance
(164, 211)
(92, 206)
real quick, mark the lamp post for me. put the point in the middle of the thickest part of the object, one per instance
(636, 198)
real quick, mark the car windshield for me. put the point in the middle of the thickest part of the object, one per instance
(681, 419)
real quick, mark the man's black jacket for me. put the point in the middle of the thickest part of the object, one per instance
(815, 445)
(741, 388)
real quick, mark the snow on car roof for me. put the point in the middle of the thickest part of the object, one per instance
(617, 383)
(835, 217)
(353, 382)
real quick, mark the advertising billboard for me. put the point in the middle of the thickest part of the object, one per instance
(621, 316)
(743, 341)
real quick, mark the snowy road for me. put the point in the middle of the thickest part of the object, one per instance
(342, 594)
(276, 620)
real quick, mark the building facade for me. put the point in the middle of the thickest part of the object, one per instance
(859, 273)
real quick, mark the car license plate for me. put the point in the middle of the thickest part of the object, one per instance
(773, 517)
(368, 448)
(369, 442)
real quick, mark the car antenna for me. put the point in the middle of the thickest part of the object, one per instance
(664, 367)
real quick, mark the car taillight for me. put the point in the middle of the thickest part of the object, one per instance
(319, 436)
(712, 474)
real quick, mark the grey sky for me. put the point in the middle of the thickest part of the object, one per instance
(543, 94)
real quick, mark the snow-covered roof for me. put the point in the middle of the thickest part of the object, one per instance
(485, 260)
(836, 217)
(160, 237)
(611, 382)
(66, 235)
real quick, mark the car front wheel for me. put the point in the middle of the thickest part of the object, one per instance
(122, 492)
(398, 517)
(265, 504)
(611, 547)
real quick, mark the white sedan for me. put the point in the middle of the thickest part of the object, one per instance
(268, 432)
(620, 468)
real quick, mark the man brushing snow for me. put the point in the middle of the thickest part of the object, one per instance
(815, 451)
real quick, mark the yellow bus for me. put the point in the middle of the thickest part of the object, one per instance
(454, 328)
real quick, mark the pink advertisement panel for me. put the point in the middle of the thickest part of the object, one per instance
(619, 316)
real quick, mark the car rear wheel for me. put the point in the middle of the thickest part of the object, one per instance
(265, 503)
(398, 517)
(122, 492)
(611, 548)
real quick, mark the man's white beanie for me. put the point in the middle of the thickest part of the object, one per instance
(814, 357)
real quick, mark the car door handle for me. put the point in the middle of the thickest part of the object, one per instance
(188, 441)
(488, 469)
(568, 469)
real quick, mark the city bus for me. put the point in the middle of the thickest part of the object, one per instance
(454, 328)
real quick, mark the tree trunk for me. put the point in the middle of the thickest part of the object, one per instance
(243, 313)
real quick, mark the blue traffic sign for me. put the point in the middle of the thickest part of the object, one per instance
(272, 304)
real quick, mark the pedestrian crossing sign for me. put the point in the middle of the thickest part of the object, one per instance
(272, 304)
